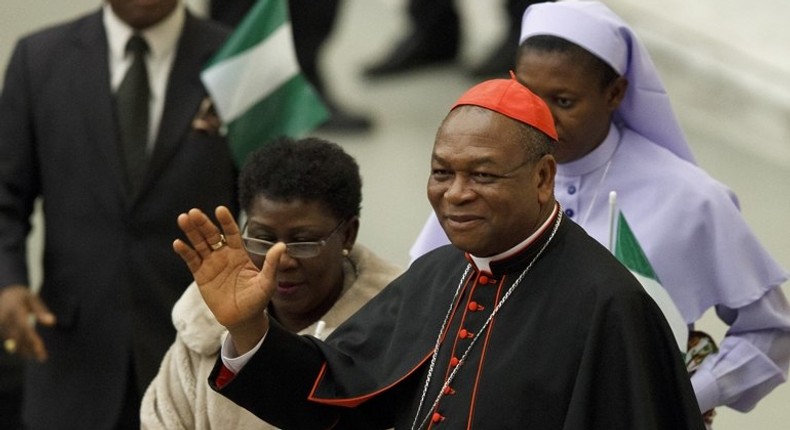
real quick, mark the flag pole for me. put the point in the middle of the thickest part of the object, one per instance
(612, 212)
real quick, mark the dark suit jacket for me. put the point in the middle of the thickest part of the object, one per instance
(110, 274)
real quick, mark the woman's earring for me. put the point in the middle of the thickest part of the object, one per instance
(345, 252)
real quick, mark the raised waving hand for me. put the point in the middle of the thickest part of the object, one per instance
(231, 285)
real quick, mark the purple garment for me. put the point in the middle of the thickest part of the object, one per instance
(703, 252)
(431, 237)
(694, 236)
(593, 26)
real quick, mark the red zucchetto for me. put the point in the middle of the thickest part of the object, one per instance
(512, 99)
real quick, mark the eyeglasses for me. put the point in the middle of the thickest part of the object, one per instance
(293, 249)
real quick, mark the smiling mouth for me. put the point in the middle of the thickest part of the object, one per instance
(288, 288)
(461, 221)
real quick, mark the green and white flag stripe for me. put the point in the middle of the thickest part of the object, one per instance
(630, 253)
(256, 85)
(239, 82)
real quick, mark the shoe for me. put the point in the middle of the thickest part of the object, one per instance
(413, 52)
(343, 121)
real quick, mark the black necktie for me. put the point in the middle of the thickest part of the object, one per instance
(131, 102)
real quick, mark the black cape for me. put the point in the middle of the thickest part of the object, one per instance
(578, 345)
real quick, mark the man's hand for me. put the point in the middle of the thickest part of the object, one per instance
(231, 285)
(20, 310)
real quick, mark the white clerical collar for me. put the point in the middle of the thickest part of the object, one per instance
(483, 264)
(161, 37)
(596, 159)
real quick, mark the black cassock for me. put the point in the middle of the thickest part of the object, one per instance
(578, 345)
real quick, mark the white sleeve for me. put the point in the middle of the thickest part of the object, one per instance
(231, 359)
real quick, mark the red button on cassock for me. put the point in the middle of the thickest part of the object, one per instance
(437, 417)
(465, 334)
(483, 279)
(454, 361)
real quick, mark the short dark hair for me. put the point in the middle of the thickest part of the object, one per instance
(309, 169)
(548, 43)
(535, 142)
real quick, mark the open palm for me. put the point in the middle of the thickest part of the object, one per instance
(231, 285)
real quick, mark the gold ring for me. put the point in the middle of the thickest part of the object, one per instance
(222, 242)
(10, 346)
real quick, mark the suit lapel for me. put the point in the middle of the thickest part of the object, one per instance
(182, 100)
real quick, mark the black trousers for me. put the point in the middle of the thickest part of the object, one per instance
(11, 391)
(440, 19)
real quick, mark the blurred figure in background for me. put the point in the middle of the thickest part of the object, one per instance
(313, 22)
(435, 38)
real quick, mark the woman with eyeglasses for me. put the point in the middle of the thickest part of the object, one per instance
(307, 194)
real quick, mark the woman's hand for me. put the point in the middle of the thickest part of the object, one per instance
(231, 285)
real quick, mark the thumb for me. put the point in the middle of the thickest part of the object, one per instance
(271, 262)
(41, 312)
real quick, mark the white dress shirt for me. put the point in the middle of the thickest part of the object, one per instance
(162, 40)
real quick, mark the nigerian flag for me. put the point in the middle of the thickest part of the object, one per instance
(628, 251)
(255, 82)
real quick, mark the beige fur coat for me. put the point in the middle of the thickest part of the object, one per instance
(179, 396)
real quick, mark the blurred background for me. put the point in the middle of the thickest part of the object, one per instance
(725, 64)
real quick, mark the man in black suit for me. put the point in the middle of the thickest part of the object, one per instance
(435, 38)
(102, 317)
